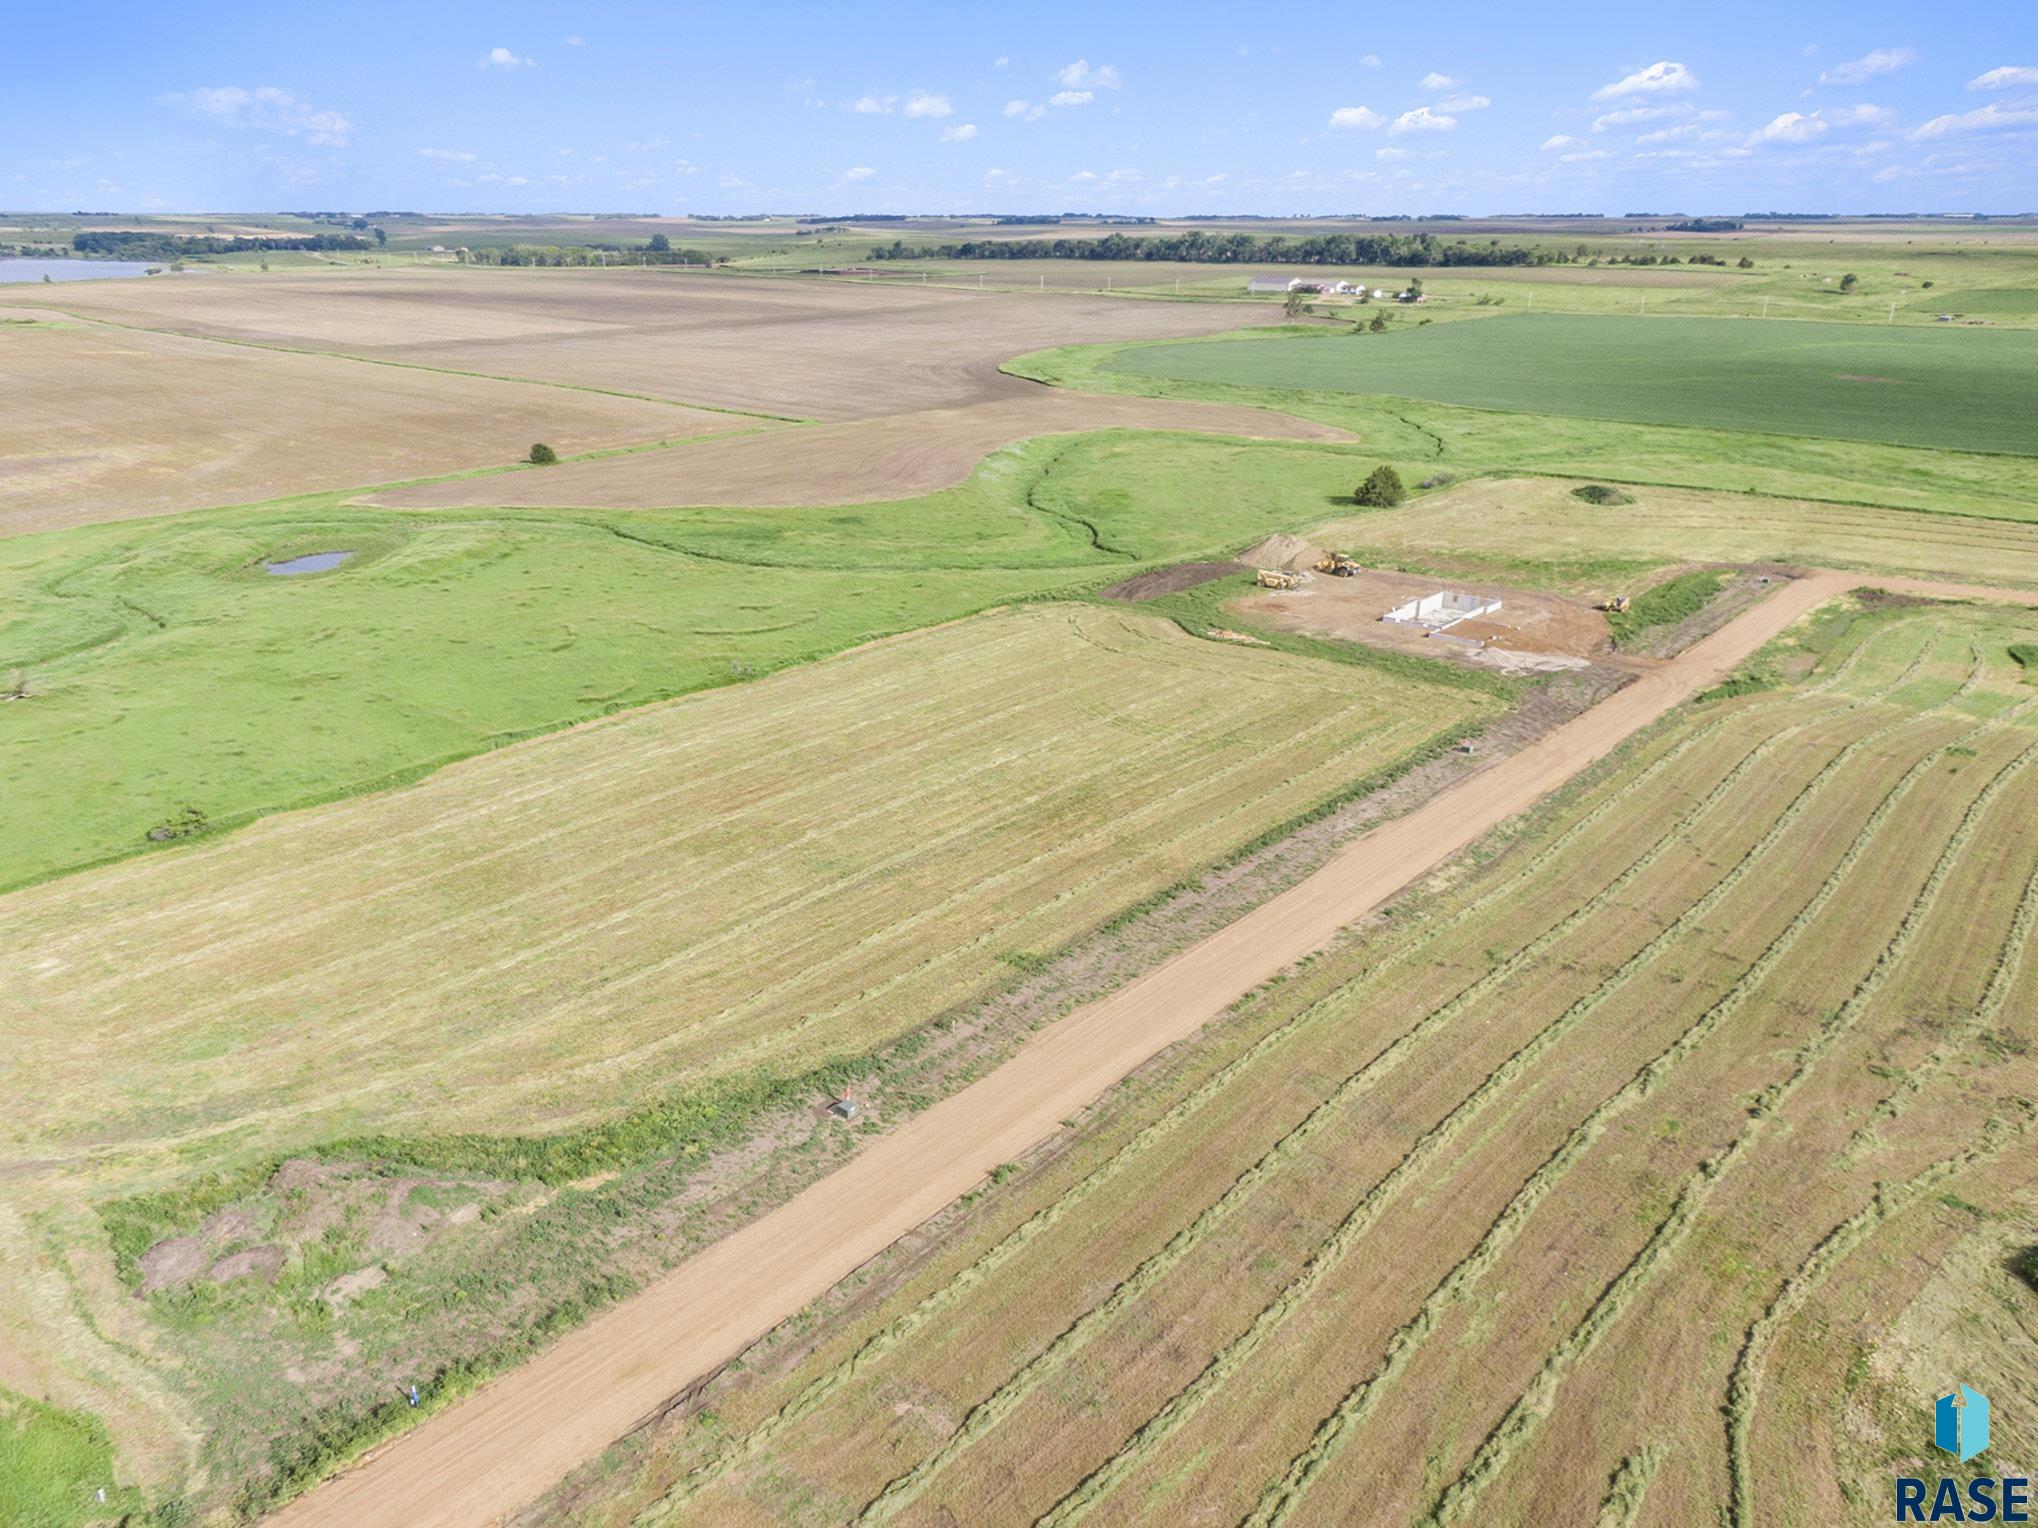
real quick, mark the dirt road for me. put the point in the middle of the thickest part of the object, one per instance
(489, 1455)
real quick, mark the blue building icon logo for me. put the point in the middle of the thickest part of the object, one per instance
(1960, 1423)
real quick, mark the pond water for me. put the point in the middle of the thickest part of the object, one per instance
(310, 562)
(23, 268)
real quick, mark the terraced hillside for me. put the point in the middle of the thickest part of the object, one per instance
(1417, 1233)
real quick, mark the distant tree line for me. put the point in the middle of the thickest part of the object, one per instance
(659, 251)
(1237, 249)
(1707, 225)
(129, 245)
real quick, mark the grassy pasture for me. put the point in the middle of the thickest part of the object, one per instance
(169, 673)
(1958, 390)
(1465, 1189)
(1424, 439)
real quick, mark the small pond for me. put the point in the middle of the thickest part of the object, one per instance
(26, 268)
(310, 562)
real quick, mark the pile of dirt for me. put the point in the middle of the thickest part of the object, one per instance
(1183, 575)
(1291, 553)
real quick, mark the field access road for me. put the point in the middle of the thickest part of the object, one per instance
(490, 1454)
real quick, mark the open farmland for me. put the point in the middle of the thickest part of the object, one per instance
(810, 349)
(107, 423)
(1962, 390)
(1541, 526)
(1656, 1070)
(653, 914)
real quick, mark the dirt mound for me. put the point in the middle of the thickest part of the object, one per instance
(1183, 575)
(1289, 552)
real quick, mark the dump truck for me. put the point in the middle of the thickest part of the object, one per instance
(1336, 564)
(1274, 578)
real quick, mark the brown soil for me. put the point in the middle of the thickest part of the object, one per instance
(255, 1263)
(176, 1261)
(1183, 575)
(1289, 553)
(1527, 623)
(498, 1449)
(844, 463)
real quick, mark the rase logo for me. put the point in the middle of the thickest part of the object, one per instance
(1960, 1428)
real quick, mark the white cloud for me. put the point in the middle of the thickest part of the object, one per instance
(1388, 156)
(1585, 156)
(923, 103)
(503, 58)
(1422, 120)
(264, 109)
(959, 134)
(1435, 81)
(456, 156)
(2008, 77)
(1868, 66)
(1125, 177)
(1083, 177)
(1658, 77)
(1858, 116)
(685, 167)
(493, 179)
(1072, 98)
(1463, 103)
(575, 41)
(1080, 76)
(1370, 61)
(874, 106)
(1995, 115)
(1627, 116)
(1024, 109)
(1791, 127)
(1354, 119)
(859, 173)
(1562, 141)
(1002, 61)
(1887, 173)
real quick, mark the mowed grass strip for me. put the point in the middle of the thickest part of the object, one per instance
(1961, 390)
(764, 877)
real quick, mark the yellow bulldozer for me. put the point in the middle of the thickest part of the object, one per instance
(1615, 604)
(1274, 578)
(1336, 564)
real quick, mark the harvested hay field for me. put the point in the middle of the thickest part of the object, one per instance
(747, 882)
(111, 424)
(788, 347)
(1502, 523)
(845, 463)
(1512, 1204)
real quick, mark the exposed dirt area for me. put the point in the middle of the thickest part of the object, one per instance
(1531, 632)
(114, 424)
(1183, 575)
(848, 463)
(814, 349)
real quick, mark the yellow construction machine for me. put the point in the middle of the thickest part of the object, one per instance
(1274, 578)
(1615, 604)
(1336, 564)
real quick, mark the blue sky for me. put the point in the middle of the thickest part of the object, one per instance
(1699, 107)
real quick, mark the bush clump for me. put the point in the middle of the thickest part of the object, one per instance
(1599, 493)
(1381, 490)
(543, 455)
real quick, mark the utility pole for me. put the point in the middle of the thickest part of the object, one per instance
(1765, 307)
(1892, 314)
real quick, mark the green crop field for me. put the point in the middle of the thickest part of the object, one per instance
(1963, 390)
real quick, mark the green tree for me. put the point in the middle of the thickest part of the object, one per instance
(1379, 322)
(1296, 305)
(659, 244)
(543, 455)
(1849, 281)
(1415, 289)
(1382, 489)
(381, 237)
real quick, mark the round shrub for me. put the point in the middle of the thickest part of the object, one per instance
(543, 455)
(1381, 490)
